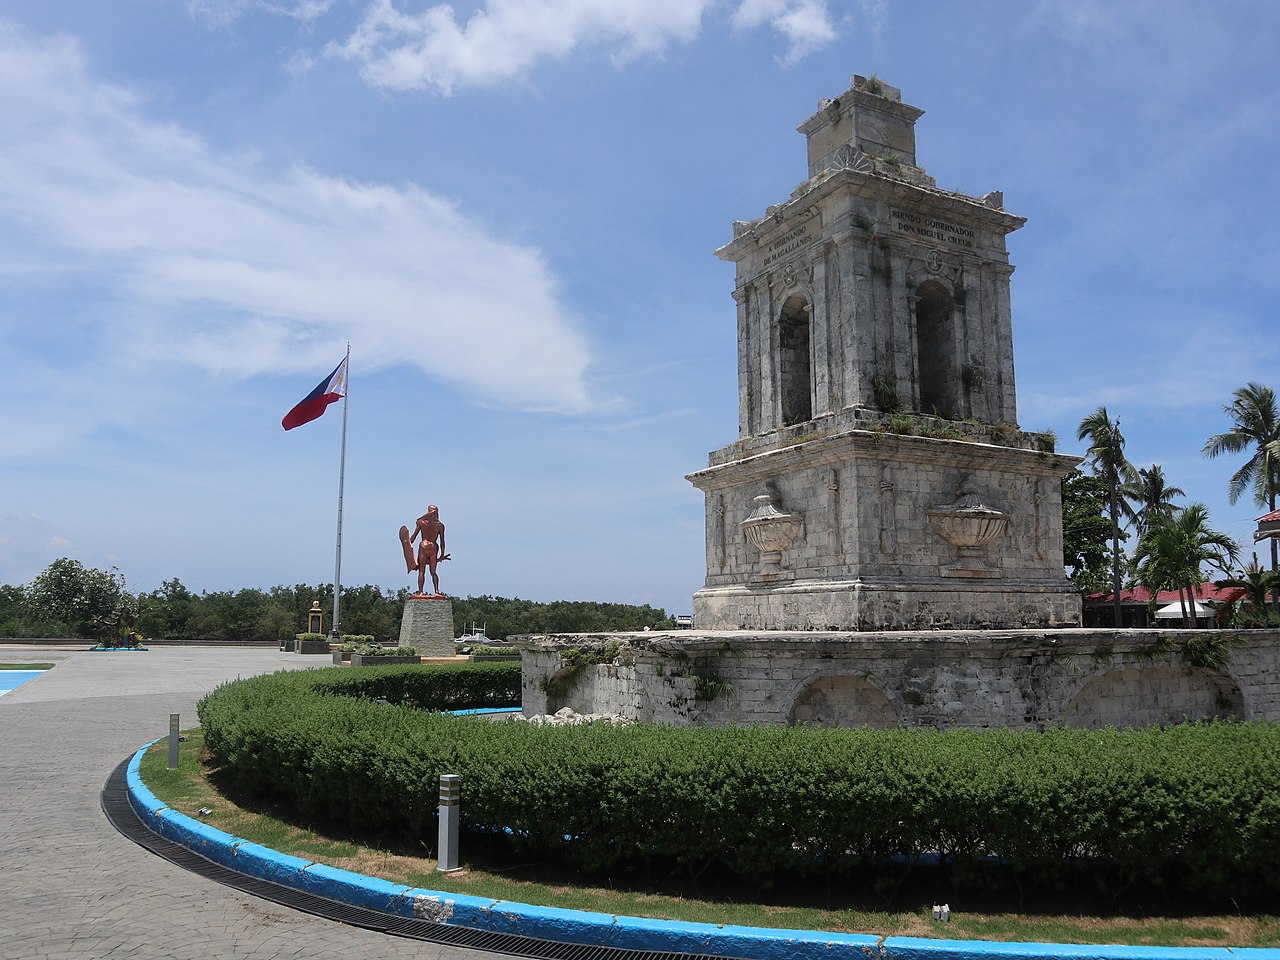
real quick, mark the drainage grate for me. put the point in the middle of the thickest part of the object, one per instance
(116, 806)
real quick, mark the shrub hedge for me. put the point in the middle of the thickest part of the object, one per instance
(1187, 809)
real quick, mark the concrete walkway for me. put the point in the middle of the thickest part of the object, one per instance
(70, 885)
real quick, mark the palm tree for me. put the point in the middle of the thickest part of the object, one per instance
(1106, 448)
(1255, 427)
(1174, 551)
(1149, 497)
(1253, 584)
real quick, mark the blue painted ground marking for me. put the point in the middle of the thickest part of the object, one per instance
(13, 679)
(482, 711)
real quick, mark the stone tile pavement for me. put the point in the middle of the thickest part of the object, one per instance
(70, 885)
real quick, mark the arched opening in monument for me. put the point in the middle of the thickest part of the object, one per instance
(843, 701)
(1154, 695)
(572, 687)
(936, 351)
(795, 378)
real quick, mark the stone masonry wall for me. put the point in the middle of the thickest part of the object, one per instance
(1020, 679)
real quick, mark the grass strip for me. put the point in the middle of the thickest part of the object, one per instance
(26, 666)
(189, 788)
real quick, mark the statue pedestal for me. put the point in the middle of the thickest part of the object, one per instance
(428, 626)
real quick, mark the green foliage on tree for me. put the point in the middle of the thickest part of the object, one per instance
(87, 602)
(1253, 588)
(69, 600)
(1085, 531)
(1106, 454)
(1173, 553)
(1149, 496)
(18, 618)
(502, 617)
(1255, 429)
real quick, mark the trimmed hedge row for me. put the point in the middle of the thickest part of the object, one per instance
(1191, 809)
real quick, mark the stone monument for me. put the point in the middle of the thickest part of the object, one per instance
(880, 479)
(884, 543)
(427, 623)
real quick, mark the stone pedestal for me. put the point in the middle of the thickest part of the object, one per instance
(428, 626)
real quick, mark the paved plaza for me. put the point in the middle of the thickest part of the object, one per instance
(70, 885)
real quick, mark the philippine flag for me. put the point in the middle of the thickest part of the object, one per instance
(330, 390)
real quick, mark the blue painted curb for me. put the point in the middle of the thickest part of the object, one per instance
(637, 933)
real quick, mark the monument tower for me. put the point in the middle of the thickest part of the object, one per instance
(880, 479)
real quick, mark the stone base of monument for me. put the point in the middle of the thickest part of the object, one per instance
(313, 646)
(924, 603)
(428, 626)
(974, 679)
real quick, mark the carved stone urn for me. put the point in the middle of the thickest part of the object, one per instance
(772, 532)
(970, 526)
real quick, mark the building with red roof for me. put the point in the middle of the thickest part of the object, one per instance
(1268, 526)
(1135, 604)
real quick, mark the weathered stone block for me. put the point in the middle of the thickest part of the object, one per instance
(312, 646)
(428, 626)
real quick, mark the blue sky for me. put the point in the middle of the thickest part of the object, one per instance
(510, 209)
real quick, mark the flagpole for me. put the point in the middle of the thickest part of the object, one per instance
(335, 630)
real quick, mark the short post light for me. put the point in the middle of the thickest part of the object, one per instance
(173, 741)
(450, 799)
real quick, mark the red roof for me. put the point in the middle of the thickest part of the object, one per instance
(1205, 591)
(1273, 515)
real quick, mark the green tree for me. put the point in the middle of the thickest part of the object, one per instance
(89, 602)
(1106, 452)
(503, 617)
(1174, 552)
(1255, 586)
(19, 619)
(1256, 429)
(167, 611)
(1149, 497)
(371, 611)
(1085, 530)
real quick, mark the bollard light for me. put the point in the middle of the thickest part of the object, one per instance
(173, 741)
(450, 800)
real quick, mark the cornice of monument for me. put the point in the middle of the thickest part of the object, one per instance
(807, 199)
(864, 141)
(890, 101)
(872, 445)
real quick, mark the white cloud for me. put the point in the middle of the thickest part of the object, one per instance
(400, 45)
(215, 263)
(223, 12)
(505, 39)
(805, 24)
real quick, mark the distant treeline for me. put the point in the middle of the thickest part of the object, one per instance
(175, 613)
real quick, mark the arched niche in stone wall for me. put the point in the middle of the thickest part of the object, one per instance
(1147, 696)
(936, 350)
(843, 701)
(570, 686)
(795, 363)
